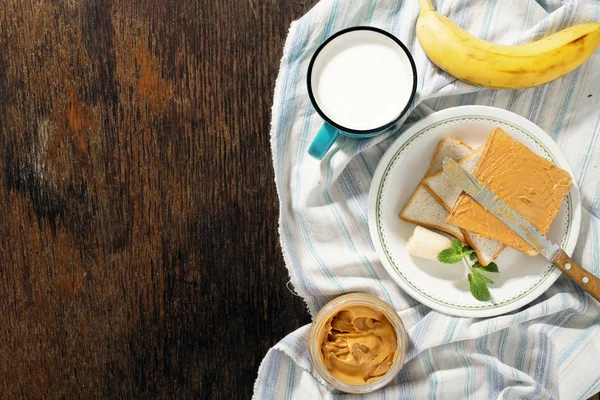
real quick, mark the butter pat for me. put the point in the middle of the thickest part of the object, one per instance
(427, 244)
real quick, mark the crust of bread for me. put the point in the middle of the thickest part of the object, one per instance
(439, 148)
(436, 227)
(435, 195)
(477, 253)
(457, 234)
(427, 179)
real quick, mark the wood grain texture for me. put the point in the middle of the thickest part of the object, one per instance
(577, 274)
(138, 230)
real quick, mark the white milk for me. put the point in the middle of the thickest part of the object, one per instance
(362, 80)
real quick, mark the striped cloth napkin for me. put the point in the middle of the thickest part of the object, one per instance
(548, 349)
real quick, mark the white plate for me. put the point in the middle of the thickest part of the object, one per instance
(445, 287)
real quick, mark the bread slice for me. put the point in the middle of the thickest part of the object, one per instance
(530, 184)
(486, 249)
(422, 209)
(450, 147)
(445, 191)
(425, 210)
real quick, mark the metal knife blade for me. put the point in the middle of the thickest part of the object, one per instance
(495, 205)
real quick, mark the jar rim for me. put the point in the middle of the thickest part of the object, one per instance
(365, 300)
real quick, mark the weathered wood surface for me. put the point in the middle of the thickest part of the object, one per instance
(138, 223)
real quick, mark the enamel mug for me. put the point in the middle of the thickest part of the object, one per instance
(361, 81)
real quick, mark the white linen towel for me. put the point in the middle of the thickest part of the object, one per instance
(548, 349)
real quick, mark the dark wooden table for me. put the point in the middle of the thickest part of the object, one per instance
(139, 254)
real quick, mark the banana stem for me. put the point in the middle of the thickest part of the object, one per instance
(426, 5)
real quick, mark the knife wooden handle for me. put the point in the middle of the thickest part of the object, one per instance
(585, 279)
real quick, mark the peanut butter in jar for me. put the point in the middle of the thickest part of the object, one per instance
(357, 343)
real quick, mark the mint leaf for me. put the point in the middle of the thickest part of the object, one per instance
(482, 277)
(478, 287)
(449, 256)
(486, 279)
(457, 245)
(473, 256)
(491, 267)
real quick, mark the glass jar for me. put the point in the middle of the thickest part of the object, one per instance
(328, 311)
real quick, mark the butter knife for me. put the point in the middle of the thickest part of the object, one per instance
(495, 205)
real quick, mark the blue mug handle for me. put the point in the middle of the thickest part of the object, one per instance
(323, 141)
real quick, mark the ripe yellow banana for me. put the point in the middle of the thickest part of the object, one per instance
(498, 66)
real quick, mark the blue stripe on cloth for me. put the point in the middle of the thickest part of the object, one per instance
(366, 166)
(467, 364)
(433, 382)
(291, 381)
(398, 16)
(450, 330)
(493, 376)
(272, 370)
(564, 109)
(561, 318)
(590, 152)
(595, 206)
(420, 332)
(571, 350)
(569, 311)
(595, 247)
(541, 373)
(407, 388)
(590, 390)
(503, 337)
(372, 7)
(523, 342)
(595, 203)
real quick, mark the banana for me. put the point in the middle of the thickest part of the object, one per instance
(483, 63)
(426, 244)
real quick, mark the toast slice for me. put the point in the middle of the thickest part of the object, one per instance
(530, 184)
(486, 249)
(450, 147)
(447, 193)
(442, 189)
(422, 209)
(425, 210)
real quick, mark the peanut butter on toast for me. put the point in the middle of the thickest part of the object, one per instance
(530, 184)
